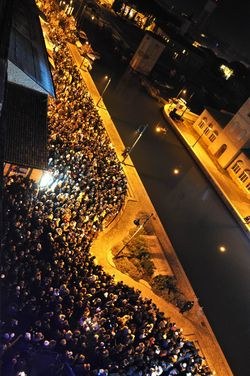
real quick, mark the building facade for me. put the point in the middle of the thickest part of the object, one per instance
(227, 138)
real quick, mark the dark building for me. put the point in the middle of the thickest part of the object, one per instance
(26, 82)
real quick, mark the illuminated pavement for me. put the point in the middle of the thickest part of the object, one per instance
(194, 323)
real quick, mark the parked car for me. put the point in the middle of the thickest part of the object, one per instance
(93, 55)
(82, 36)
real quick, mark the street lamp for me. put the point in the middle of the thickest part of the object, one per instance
(128, 149)
(136, 222)
(222, 248)
(85, 49)
(182, 91)
(198, 139)
(160, 129)
(105, 88)
(186, 108)
(80, 12)
(176, 171)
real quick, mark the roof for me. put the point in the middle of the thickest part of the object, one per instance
(27, 48)
(25, 127)
(221, 117)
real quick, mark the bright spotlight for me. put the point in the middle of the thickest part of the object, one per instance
(222, 248)
(46, 180)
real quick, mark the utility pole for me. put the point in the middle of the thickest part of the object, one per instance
(128, 149)
(139, 228)
(105, 88)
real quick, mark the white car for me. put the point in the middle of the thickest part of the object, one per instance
(82, 35)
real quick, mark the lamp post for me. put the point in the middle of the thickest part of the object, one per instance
(136, 232)
(78, 9)
(105, 88)
(84, 52)
(177, 97)
(80, 12)
(181, 91)
(128, 149)
(187, 104)
(198, 139)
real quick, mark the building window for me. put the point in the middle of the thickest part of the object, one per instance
(220, 151)
(248, 186)
(208, 129)
(237, 166)
(202, 122)
(244, 175)
(213, 136)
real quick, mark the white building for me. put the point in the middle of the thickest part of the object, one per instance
(227, 137)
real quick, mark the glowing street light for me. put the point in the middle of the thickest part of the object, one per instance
(176, 171)
(182, 91)
(160, 129)
(104, 90)
(222, 248)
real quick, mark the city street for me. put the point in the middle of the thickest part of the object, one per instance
(193, 215)
(125, 245)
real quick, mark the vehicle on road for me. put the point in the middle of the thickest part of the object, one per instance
(82, 36)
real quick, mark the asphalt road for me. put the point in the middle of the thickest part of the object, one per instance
(193, 215)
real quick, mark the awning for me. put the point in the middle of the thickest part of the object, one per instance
(27, 49)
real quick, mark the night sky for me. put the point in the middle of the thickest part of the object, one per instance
(230, 21)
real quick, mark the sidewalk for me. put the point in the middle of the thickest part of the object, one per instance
(193, 323)
(236, 201)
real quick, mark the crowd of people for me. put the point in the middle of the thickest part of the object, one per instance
(55, 298)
